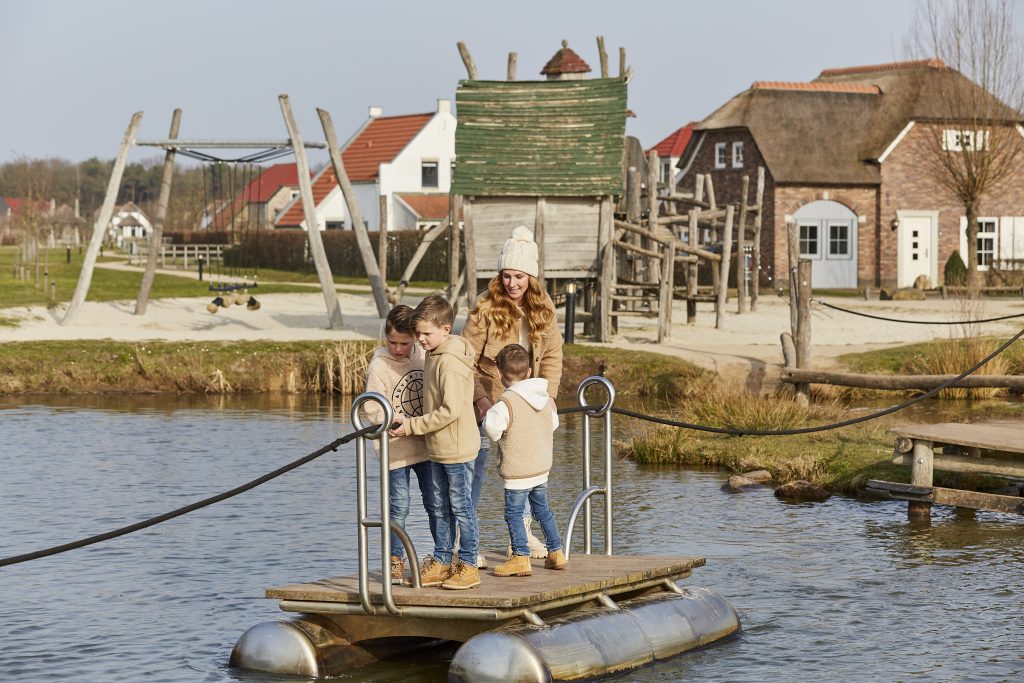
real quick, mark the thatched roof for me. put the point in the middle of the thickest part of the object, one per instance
(833, 129)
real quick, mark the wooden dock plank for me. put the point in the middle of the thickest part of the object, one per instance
(586, 575)
(998, 436)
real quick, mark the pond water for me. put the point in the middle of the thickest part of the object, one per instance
(844, 590)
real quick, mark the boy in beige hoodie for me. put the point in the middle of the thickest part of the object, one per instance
(396, 372)
(453, 439)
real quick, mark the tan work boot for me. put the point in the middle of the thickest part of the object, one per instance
(463, 576)
(433, 573)
(556, 560)
(397, 571)
(519, 565)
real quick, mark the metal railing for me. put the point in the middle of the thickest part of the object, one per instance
(582, 501)
(384, 521)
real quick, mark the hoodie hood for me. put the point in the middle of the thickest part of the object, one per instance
(533, 390)
(459, 349)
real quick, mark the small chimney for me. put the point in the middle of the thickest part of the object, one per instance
(444, 106)
(376, 112)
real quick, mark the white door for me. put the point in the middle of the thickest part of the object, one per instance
(916, 250)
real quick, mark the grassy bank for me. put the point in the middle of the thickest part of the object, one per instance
(82, 367)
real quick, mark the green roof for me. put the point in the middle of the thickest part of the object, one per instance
(540, 138)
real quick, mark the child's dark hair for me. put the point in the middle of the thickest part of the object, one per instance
(400, 320)
(434, 309)
(514, 362)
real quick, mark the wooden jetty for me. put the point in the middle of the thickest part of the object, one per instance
(993, 448)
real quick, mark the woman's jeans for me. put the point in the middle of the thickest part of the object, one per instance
(480, 467)
(515, 505)
(399, 509)
(453, 494)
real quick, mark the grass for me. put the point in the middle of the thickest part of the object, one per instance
(634, 373)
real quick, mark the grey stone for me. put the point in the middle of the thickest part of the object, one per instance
(801, 490)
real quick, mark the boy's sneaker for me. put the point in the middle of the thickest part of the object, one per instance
(537, 548)
(433, 573)
(519, 565)
(463, 576)
(556, 560)
(397, 571)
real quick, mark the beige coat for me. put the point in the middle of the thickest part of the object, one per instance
(545, 357)
(448, 420)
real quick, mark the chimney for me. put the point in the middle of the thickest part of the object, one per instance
(376, 112)
(444, 106)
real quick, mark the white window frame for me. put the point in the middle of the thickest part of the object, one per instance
(720, 152)
(816, 225)
(424, 165)
(737, 155)
(848, 254)
(989, 234)
(954, 140)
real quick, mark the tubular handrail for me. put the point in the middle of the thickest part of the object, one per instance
(384, 521)
(583, 500)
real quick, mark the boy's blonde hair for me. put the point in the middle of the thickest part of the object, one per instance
(514, 362)
(400, 319)
(434, 309)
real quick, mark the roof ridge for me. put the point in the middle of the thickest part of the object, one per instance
(932, 63)
(816, 87)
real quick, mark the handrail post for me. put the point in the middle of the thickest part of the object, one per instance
(589, 490)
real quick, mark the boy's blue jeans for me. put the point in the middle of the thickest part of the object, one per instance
(453, 494)
(515, 504)
(399, 509)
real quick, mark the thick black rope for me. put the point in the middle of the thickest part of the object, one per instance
(333, 446)
(919, 322)
(822, 428)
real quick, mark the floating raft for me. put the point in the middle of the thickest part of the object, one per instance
(603, 615)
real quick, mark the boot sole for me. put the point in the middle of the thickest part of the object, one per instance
(529, 573)
(460, 588)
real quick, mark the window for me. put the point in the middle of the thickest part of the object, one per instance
(986, 243)
(428, 174)
(839, 239)
(809, 239)
(960, 140)
(737, 155)
(334, 225)
(720, 154)
(666, 172)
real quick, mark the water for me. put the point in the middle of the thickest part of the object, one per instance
(845, 590)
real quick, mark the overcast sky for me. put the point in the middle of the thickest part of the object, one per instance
(74, 71)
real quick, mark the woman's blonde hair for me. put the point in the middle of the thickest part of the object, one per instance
(501, 312)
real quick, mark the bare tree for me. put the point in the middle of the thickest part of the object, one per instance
(976, 142)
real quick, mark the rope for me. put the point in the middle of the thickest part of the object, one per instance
(919, 322)
(333, 446)
(822, 428)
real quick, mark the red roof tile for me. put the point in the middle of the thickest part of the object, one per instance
(259, 191)
(427, 206)
(565, 61)
(674, 144)
(817, 87)
(934, 63)
(378, 143)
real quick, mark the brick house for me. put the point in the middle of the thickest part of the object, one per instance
(260, 201)
(845, 159)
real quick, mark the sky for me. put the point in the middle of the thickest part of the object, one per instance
(74, 71)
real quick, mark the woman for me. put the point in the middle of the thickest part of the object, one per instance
(513, 310)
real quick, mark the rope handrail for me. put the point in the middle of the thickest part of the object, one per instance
(917, 322)
(152, 521)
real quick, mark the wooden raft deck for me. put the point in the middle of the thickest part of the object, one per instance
(586, 578)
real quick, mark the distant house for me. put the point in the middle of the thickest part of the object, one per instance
(387, 156)
(843, 161)
(424, 211)
(258, 204)
(670, 151)
(128, 224)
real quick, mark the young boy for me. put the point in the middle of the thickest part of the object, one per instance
(396, 371)
(521, 423)
(453, 440)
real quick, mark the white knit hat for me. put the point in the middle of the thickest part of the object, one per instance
(519, 252)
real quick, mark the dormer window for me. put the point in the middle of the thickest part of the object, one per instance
(428, 174)
(961, 140)
(737, 155)
(720, 154)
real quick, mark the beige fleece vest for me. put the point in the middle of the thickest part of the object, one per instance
(527, 444)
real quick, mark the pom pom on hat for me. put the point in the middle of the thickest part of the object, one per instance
(519, 252)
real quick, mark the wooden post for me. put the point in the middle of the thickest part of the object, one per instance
(633, 216)
(512, 57)
(316, 244)
(538, 237)
(382, 239)
(602, 56)
(156, 238)
(467, 60)
(921, 474)
(709, 187)
(692, 272)
(470, 244)
(454, 244)
(377, 284)
(606, 273)
(741, 252)
(726, 253)
(99, 230)
(755, 260)
(793, 254)
(656, 274)
(668, 259)
(803, 337)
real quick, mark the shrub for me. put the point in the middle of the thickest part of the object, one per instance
(955, 271)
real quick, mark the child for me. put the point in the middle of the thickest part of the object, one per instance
(521, 423)
(396, 371)
(452, 437)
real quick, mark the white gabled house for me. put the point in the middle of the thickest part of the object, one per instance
(387, 156)
(129, 223)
